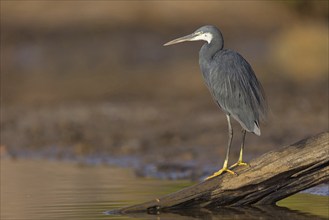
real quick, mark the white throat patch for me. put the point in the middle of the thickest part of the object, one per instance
(205, 36)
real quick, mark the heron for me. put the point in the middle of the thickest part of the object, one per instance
(233, 85)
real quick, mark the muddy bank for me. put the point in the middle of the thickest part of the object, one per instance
(159, 136)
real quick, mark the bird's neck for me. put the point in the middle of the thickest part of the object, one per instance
(208, 51)
(206, 56)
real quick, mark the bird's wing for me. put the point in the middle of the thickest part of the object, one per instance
(237, 91)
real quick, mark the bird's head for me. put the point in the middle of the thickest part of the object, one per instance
(205, 33)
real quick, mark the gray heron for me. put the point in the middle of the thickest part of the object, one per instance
(232, 84)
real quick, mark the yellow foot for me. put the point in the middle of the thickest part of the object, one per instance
(239, 163)
(219, 172)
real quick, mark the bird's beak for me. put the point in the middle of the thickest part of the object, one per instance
(189, 37)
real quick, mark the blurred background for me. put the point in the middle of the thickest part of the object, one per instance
(91, 79)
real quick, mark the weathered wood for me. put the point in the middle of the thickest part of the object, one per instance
(270, 178)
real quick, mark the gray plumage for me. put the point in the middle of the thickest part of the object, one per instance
(231, 81)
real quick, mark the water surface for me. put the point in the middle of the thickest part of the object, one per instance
(43, 189)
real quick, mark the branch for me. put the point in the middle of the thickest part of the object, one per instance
(270, 178)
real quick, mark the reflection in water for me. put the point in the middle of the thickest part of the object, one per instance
(250, 213)
(38, 189)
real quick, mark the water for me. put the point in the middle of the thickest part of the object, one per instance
(43, 189)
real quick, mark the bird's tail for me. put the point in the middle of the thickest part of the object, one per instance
(256, 129)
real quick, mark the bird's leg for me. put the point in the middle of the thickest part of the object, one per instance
(225, 167)
(240, 161)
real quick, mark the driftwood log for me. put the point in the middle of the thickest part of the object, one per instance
(269, 178)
